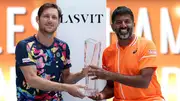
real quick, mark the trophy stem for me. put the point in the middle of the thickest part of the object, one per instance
(87, 80)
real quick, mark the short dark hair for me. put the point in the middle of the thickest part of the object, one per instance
(121, 10)
(49, 5)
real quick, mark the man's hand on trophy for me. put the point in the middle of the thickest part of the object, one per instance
(75, 90)
(98, 73)
(97, 96)
(85, 71)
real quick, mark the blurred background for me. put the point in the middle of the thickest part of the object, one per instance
(157, 20)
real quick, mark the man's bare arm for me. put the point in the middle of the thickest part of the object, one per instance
(30, 74)
(141, 80)
(72, 78)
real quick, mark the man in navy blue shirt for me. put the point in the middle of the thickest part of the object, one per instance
(43, 62)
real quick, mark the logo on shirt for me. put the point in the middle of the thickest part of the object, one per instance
(135, 51)
(152, 52)
(58, 54)
(24, 60)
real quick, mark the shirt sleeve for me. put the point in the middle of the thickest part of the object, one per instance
(67, 62)
(23, 58)
(148, 57)
(105, 61)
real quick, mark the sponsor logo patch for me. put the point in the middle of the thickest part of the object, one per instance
(135, 51)
(152, 52)
(24, 60)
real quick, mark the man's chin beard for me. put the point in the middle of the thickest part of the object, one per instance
(124, 37)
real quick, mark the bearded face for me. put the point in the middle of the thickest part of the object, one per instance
(123, 26)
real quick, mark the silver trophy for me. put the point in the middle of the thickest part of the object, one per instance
(92, 49)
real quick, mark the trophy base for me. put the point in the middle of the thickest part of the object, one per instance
(90, 92)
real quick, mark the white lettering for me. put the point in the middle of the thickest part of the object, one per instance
(33, 18)
(167, 34)
(12, 28)
(143, 24)
(8, 90)
(1, 50)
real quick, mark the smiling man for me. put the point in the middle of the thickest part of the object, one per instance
(129, 65)
(43, 62)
